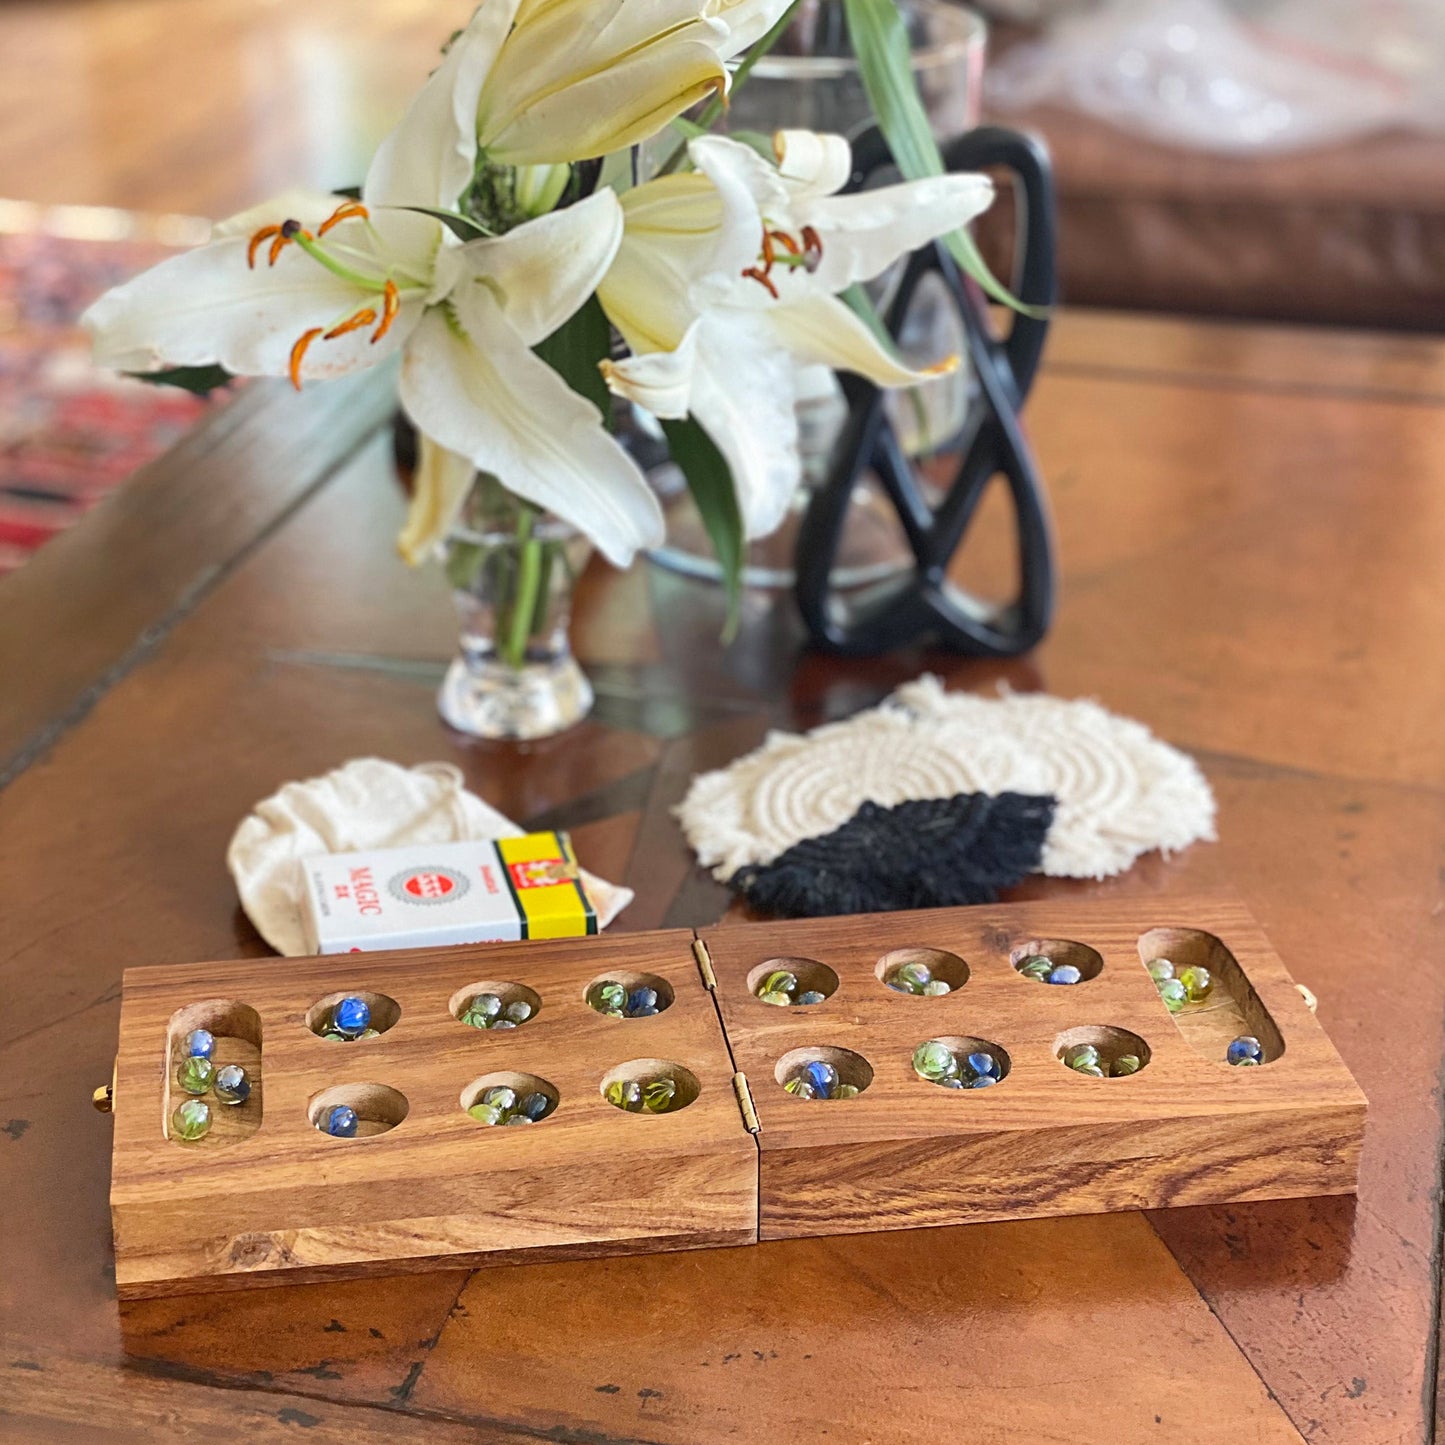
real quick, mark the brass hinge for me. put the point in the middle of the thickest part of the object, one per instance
(704, 963)
(745, 1103)
(104, 1097)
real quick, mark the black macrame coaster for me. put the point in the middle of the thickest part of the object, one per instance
(928, 853)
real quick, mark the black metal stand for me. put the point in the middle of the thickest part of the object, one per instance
(922, 605)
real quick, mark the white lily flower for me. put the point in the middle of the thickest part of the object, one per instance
(726, 280)
(308, 288)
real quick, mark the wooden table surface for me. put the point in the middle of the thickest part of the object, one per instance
(1251, 524)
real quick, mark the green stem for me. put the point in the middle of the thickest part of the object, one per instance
(707, 117)
(520, 619)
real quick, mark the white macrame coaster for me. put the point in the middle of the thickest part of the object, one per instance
(1121, 792)
(368, 803)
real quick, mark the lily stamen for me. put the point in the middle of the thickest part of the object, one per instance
(264, 234)
(390, 305)
(364, 317)
(348, 211)
(757, 273)
(298, 354)
(807, 253)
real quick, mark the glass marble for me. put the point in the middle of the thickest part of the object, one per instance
(1077, 1054)
(333, 1037)
(780, 981)
(800, 1088)
(480, 1012)
(982, 1065)
(914, 976)
(935, 1061)
(980, 1081)
(1126, 1064)
(371, 1033)
(1160, 969)
(516, 1119)
(1036, 965)
(625, 1094)
(500, 1096)
(936, 988)
(810, 996)
(608, 996)
(485, 1113)
(195, 1074)
(504, 1023)
(954, 1083)
(1174, 994)
(519, 1011)
(534, 1105)
(1197, 983)
(191, 1120)
(341, 1122)
(351, 1016)
(232, 1085)
(846, 1091)
(821, 1075)
(1065, 973)
(1094, 1071)
(658, 1095)
(776, 998)
(1246, 1049)
(200, 1044)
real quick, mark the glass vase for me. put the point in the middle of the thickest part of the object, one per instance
(512, 570)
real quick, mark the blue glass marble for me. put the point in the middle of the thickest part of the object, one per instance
(1245, 1050)
(534, 1106)
(1065, 973)
(980, 1081)
(809, 996)
(982, 1065)
(352, 1016)
(200, 1044)
(641, 1002)
(232, 1086)
(341, 1122)
(821, 1075)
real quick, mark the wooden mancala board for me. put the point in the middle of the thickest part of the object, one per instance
(267, 1197)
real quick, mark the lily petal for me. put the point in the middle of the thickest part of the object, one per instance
(545, 269)
(821, 328)
(206, 306)
(439, 488)
(746, 20)
(658, 381)
(864, 234)
(473, 385)
(813, 164)
(428, 159)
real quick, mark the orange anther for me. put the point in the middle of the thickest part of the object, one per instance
(298, 354)
(756, 273)
(784, 240)
(352, 323)
(812, 248)
(277, 246)
(263, 234)
(349, 210)
(390, 305)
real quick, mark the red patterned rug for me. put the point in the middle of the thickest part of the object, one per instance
(70, 432)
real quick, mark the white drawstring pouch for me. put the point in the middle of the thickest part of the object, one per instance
(367, 803)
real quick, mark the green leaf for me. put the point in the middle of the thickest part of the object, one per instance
(462, 227)
(576, 350)
(199, 379)
(880, 42)
(710, 481)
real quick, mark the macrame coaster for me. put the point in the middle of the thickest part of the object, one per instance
(1120, 791)
(937, 853)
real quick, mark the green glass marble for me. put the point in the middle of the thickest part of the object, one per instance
(1197, 983)
(846, 1091)
(485, 1113)
(608, 996)
(913, 976)
(1094, 1071)
(1077, 1055)
(371, 1033)
(1246, 1063)
(519, 1011)
(625, 1094)
(516, 1119)
(1174, 994)
(195, 1074)
(780, 981)
(1036, 966)
(1126, 1064)
(800, 1088)
(1160, 969)
(333, 1037)
(501, 1096)
(192, 1120)
(480, 1012)
(658, 1095)
(936, 988)
(777, 999)
(935, 1061)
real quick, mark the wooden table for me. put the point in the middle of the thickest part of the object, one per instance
(1251, 527)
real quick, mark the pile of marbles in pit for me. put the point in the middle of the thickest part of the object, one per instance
(613, 998)
(487, 1011)
(643, 1096)
(781, 989)
(1042, 969)
(198, 1075)
(917, 978)
(818, 1079)
(502, 1104)
(939, 1064)
(1245, 1052)
(350, 1018)
(1179, 990)
(1086, 1059)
